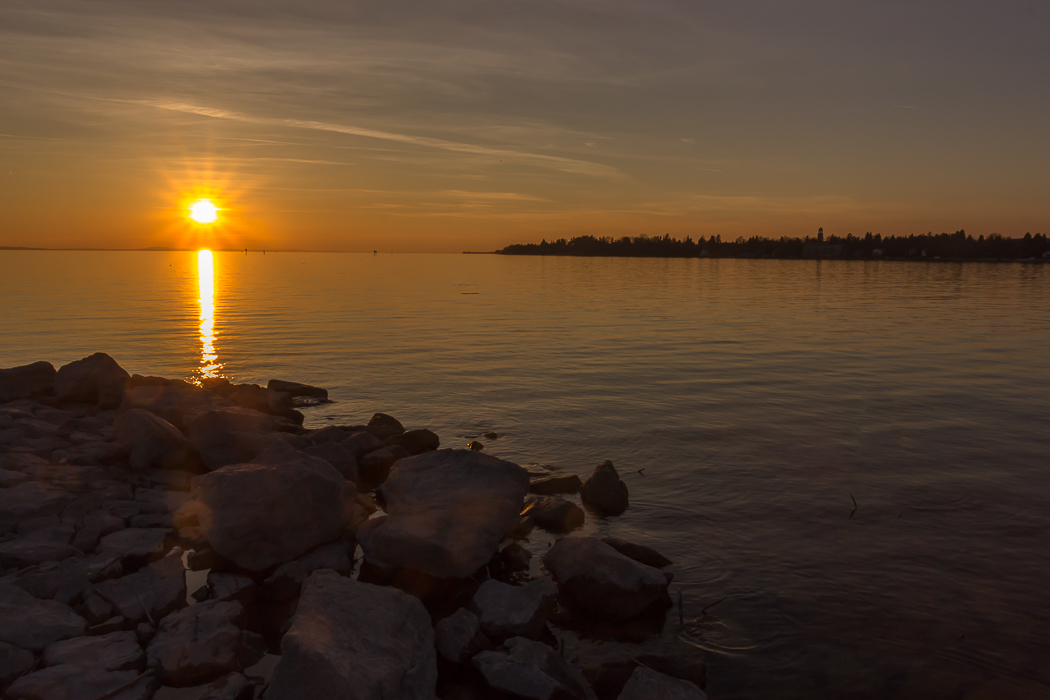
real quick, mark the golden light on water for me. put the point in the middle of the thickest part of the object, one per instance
(209, 366)
(204, 211)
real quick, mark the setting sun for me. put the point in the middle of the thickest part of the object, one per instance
(203, 211)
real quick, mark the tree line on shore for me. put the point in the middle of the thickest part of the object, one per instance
(958, 245)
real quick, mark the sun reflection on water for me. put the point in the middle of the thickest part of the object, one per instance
(209, 366)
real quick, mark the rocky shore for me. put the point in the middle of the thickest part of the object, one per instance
(159, 534)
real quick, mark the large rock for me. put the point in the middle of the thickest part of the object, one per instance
(116, 651)
(338, 456)
(600, 580)
(67, 580)
(514, 611)
(68, 682)
(646, 684)
(354, 640)
(287, 581)
(151, 441)
(235, 435)
(415, 441)
(552, 485)
(638, 552)
(459, 637)
(95, 379)
(554, 513)
(264, 400)
(150, 593)
(43, 545)
(175, 402)
(447, 512)
(14, 662)
(202, 642)
(383, 426)
(604, 492)
(30, 623)
(609, 677)
(135, 545)
(23, 382)
(233, 686)
(29, 500)
(296, 390)
(267, 513)
(361, 443)
(532, 671)
(375, 466)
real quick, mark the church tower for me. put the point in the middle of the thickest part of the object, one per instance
(820, 235)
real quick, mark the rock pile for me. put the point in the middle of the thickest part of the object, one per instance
(117, 490)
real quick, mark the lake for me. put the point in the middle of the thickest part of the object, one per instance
(760, 397)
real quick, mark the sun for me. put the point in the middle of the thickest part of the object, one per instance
(204, 211)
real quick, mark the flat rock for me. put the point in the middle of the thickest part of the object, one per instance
(352, 639)
(33, 549)
(552, 485)
(601, 581)
(263, 514)
(135, 544)
(157, 589)
(554, 513)
(604, 491)
(287, 581)
(66, 682)
(96, 525)
(68, 579)
(202, 642)
(459, 637)
(36, 379)
(117, 651)
(232, 686)
(14, 661)
(447, 512)
(295, 389)
(514, 611)
(646, 684)
(531, 670)
(151, 441)
(29, 500)
(95, 379)
(638, 552)
(30, 623)
(235, 435)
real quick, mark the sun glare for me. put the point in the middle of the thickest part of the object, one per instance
(204, 211)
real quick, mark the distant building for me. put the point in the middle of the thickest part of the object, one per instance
(820, 249)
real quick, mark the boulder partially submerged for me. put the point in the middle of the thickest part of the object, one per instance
(447, 512)
(604, 492)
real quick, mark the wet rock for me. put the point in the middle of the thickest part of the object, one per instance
(95, 379)
(96, 525)
(30, 623)
(459, 637)
(604, 492)
(640, 553)
(415, 441)
(646, 684)
(135, 545)
(338, 456)
(202, 642)
(151, 441)
(475, 445)
(491, 436)
(383, 426)
(556, 484)
(514, 611)
(295, 389)
(521, 529)
(68, 682)
(361, 443)
(235, 435)
(117, 651)
(40, 546)
(353, 639)
(69, 579)
(447, 512)
(531, 670)
(553, 513)
(175, 403)
(601, 581)
(36, 379)
(233, 686)
(287, 581)
(14, 661)
(375, 466)
(29, 500)
(264, 514)
(150, 593)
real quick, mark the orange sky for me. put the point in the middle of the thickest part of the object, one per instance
(468, 126)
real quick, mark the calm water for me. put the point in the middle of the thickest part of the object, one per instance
(757, 395)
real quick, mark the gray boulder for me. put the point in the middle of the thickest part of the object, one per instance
(296, 390)
(116, 651)
(68, 682)
(638, 552)
(14, 661)
(263, 514)
(69, 579)
(514, 611)
(96, 525)
(415, 441)
(151, 441)
(225, 586)
(554, 513)
(30, 623)
(352, 639)
(447, 512)
(175, 402)
(135, 545)
(235, 435)
(375, 466)
(36, 379)
(287, 581)
(233, 686)
(531, 670)
(383, 426)
(361, 443)
(150, 593)
(459, 637)
(95, 379)
(601, 581)
(604, 492)
(202, 642)
(646, 684)
(556, 484)
(338, 456)
(40, 546)
(31, 499)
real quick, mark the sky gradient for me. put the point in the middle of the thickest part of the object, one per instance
(448, 126)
